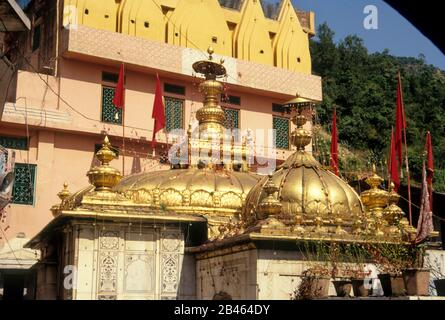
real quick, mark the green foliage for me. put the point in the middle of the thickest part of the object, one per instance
(363, 87)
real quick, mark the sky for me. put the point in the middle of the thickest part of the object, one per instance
(345, 17)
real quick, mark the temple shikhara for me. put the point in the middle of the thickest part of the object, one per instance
(228, 203)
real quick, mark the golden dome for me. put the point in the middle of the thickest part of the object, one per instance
(310, 196)
(198, 191)
(306, 189)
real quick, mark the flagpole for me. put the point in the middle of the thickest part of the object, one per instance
(389, 163)
(408, 177)
(123, 128)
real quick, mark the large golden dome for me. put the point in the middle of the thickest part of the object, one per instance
(306, 194)
(306, 191)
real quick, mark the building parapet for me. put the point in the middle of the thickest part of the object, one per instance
(111, 47)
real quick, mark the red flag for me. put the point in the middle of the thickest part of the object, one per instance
(334, 144)
(393, 169)
(119, 93)
(425, 222)
(158, 111)
(400, 121)
(430, 166)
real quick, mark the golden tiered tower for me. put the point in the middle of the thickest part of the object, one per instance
(212, 177)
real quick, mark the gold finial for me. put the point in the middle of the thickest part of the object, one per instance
(393, 214)
(393, 197)
(375, 180)
(270, 206)
(300, 137)
(105, 154)
(210, 51)
(104, 177)
(64, 193)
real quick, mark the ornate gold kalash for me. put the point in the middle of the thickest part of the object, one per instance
(210, 176)
(303, 200)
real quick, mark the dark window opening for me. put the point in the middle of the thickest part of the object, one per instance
(110, 77)
(278, 108)
(231, 99)
(17, 143)
(173, 88)
(146, 24)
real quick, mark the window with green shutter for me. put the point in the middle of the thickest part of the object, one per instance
(24, 183)
(110, 114)
(174, 113)
(232, 118)
(17, 143)
(281, 127)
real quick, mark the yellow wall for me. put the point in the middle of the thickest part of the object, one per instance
(246, 34)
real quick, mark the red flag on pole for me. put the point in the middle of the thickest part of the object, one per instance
(334, 144)
(400, 139)
(393, 168)
(430, 166)
(119, 93)
(158, 111)
(400, 121)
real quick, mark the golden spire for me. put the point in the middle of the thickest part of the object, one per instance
(211, 116)
(375, 200)
(104, 177)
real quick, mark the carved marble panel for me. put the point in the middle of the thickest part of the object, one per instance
(171, 241)
(108, 265)
(170, 272)
(109, 240)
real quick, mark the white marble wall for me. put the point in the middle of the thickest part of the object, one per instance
(127, 262)
(233, 274)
